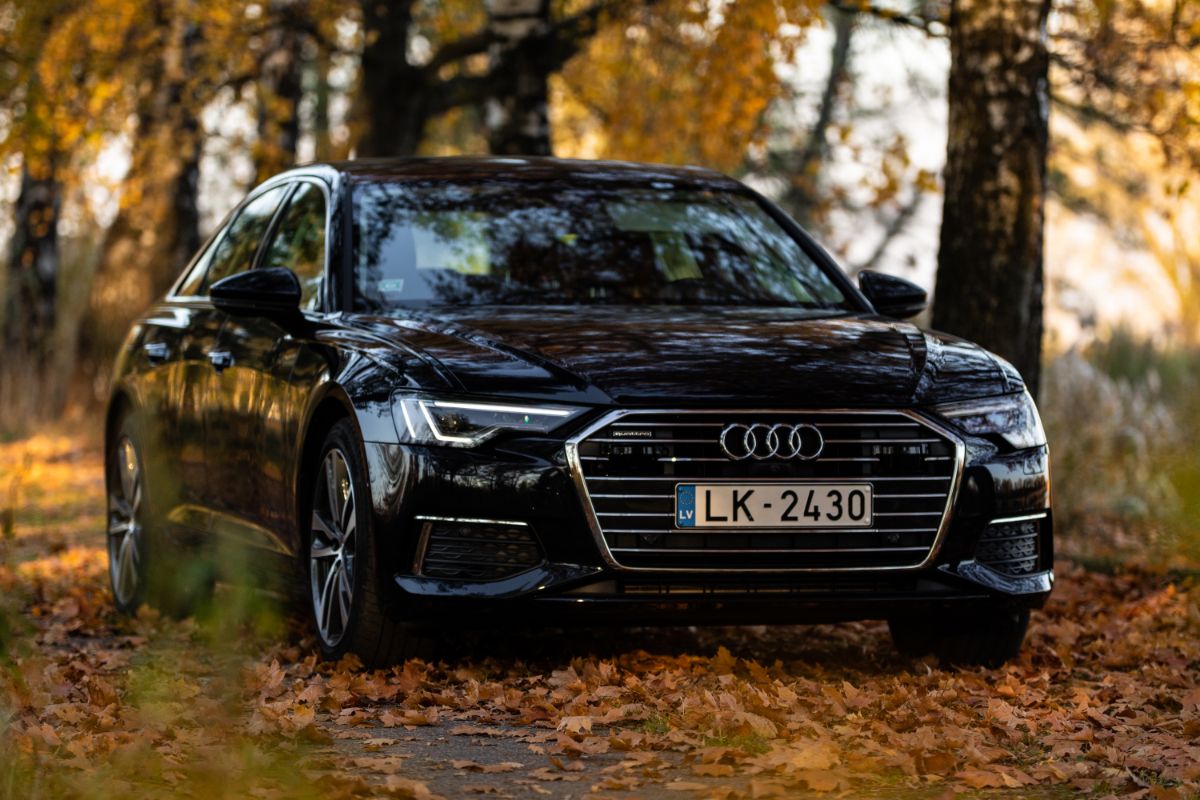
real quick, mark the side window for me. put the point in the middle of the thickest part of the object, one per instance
(299, 242)
(195, 277)
(235, 252)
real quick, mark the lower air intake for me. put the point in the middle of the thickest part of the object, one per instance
(1010, 547)
(476, 550)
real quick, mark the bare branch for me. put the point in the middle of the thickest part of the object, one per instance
(934, 27)
(463, 47)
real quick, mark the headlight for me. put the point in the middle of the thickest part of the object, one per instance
(462, 423)
(1012, 417)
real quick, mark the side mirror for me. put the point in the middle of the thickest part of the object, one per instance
(892, 296)
(266, 291)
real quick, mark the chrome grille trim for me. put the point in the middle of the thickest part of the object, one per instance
(954, 479)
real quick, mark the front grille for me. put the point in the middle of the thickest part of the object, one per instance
(476, 550)
(1010, 547)
(630, 464)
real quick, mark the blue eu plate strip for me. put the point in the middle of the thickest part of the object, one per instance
(685, 506)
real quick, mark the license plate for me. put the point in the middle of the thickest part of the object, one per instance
(773, 505)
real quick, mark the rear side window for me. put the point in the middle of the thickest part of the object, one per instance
(195, 277)
(235, 251)
(299, 242)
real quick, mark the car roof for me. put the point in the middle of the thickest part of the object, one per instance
(531, 168)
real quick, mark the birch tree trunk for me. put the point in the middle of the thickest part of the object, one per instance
(989, 278)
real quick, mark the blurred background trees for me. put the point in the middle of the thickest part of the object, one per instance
(1009, 155)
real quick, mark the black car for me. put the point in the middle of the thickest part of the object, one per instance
(512, 391)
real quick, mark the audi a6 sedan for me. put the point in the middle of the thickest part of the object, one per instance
(436, 393)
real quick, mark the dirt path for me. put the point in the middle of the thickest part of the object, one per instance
(1104, 700)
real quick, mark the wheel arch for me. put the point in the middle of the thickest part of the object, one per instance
(329, 409)
(120, 404)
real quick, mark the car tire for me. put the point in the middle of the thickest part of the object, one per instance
(987, 638)
(139, 551)
(344, 582)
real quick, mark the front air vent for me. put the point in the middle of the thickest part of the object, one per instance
(475, 550)
(1010, 547)
(628, 466)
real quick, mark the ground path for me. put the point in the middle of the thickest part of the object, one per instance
(1104, 700)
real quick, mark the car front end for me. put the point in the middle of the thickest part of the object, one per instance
(585, 515)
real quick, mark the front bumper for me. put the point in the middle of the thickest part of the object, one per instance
(529, 482)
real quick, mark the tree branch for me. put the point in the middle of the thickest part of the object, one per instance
(934, 27)
(461, 48)
(894, 228)
(560, 42)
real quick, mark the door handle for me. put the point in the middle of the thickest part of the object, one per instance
(220, 359)
(156, 352)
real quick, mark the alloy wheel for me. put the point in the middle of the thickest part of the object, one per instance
(125, 528)
(332, 548)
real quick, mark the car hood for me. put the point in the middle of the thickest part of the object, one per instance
(663, 356)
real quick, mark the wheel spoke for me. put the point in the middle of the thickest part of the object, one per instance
(333, 492)
(350, 523)
(125, 572)
(321, 551)
(347, 488)
(118, 559)
(345, 595)
(119, 527)
(328, 532)
(345, 494)
(128, 467)
(119, 504)
(327, 600)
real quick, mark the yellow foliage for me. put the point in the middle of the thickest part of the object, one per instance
(680, 82)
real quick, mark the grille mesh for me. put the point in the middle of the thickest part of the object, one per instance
(478, 551)
(1010, 548)
(630, 467)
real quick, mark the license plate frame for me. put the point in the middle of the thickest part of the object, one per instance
(773, 508)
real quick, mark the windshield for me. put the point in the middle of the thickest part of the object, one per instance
(427, 244)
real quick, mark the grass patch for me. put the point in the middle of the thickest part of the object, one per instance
(656, 725)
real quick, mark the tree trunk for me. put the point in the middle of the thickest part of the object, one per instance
(157, 226)
(518, 118)
(280, 90)
(395, 94)
(989, 279)
(525, 48)
(33, 266)
(319, 75)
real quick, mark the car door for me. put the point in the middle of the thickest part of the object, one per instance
(261, 352)
(187, 327)
(227, 403)
(152, 364)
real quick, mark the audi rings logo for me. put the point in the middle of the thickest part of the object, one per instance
(761, 441)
